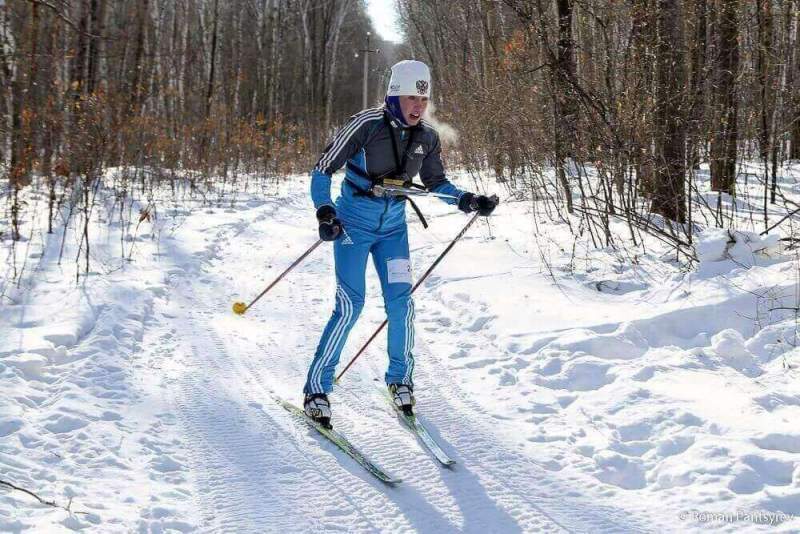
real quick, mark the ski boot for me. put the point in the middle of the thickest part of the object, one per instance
(318, 407)
(403, 397)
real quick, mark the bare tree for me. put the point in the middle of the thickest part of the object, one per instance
(793, 76)
(724, 97)
(669, 198)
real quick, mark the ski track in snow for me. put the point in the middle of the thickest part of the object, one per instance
(558, 422)
(249, 457)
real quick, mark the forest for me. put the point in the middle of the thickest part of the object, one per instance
(539, 95)
(603, 334)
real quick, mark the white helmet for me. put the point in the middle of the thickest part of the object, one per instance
(410, 77)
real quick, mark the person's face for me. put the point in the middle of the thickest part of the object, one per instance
(413, 108)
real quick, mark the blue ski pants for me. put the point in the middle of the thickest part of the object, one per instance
(391, 259)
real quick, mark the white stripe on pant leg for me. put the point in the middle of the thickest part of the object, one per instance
(406, 341)
(317, 366)
(342, 137)
(340, 325)
(409, 356)
(343, 317)
(336, 335)
(339, 334)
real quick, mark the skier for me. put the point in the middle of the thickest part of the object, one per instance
(386, 146)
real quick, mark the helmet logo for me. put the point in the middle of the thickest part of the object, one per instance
(422, 87)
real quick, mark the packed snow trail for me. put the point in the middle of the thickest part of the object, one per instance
(577, 391)
(249, 459)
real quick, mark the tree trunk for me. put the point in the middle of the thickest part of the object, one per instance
(765, 34)
(95, 73)
(138, 62)
(332, 47)
(78, 69)
(565, 108)
(698, 83)
(24, 106)
(274, 64)
(669, 197)
(794, 96)
(213, 59)
(725, 104)
(641, 79)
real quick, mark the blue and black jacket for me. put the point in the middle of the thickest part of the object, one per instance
(365, 147)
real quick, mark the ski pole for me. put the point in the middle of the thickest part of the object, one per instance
(422, 279)
(240, 307)
(388, 190)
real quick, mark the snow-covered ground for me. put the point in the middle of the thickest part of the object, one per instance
(579, 390)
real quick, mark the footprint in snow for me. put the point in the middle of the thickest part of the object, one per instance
(779, 442)
(579, 376)
(773, 401)
(480, 323)
(62, 424)
(165, 464)
(618, 470)
(10, 425)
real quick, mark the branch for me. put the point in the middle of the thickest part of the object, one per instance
(32, 494)
(63, 17)
(54, 504)
(543, 65)
(644, 224)
(787, 216)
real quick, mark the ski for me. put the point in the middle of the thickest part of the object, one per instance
(343, 443)
(414, 424)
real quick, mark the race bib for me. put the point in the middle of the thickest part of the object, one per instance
(399, 271)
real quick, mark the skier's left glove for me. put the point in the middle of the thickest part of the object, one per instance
(481, 203)
(330, 228)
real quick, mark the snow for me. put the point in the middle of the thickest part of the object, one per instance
(579, 389)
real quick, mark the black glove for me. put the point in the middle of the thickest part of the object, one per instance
(330, 228)
(481, 203)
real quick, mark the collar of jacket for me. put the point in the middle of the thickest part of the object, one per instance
(395, 123)
(392, 106)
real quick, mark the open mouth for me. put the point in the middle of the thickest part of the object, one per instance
(413, 116)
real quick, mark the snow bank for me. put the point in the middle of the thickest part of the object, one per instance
(72, 427)
(579, 389)
(721, 250)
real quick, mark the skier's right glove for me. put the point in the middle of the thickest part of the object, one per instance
(481, 203)
(330, 228)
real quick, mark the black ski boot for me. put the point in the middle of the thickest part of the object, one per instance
(403, 397)
(318, 407)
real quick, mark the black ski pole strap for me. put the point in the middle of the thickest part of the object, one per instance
(417, 211)
(390, 126)
(404, 162)
(400, 163)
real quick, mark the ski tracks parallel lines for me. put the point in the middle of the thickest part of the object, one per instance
(249, 456)
(363, 496)
(249, 463)
(529, 486)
